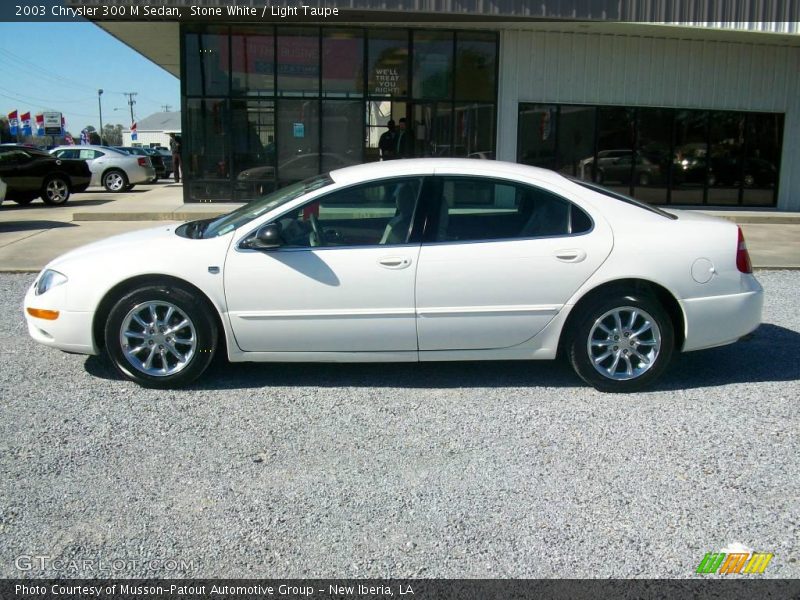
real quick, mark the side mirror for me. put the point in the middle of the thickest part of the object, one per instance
(267, 237)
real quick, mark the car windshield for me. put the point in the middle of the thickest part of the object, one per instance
(622, 197)
(256, 208)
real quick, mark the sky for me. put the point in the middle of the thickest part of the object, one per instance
(60, 67)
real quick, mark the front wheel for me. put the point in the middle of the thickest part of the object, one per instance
(55, 191)
(115, 181)
(161, 336)
(623, 343)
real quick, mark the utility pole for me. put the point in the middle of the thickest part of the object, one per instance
(166, 107)
(131, 102)
(100, 108)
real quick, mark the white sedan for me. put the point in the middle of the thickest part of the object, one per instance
(409, 260)
(115, 170)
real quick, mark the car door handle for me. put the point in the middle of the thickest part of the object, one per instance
(394, 262)
(572, 255)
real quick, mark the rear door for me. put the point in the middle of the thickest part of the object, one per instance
(499, 261)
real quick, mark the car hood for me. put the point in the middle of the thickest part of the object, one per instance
(119, 244)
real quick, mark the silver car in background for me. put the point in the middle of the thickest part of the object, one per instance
(115, 170)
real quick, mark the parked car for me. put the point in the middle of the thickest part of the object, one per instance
(29, 172)
(155, 158)
(114, 169)
(757, 172)
(620, 169)
(545, 265)
(166, 156)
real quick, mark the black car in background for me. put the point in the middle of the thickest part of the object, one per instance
(30, 172)
(155, 158)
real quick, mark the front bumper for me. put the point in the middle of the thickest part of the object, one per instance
(720, 320)
(71, 331)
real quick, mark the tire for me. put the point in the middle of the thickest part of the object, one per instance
(154, 361)
(129, 187)
(115, 181)
(23, 200)
(56, 191)
(627, 366)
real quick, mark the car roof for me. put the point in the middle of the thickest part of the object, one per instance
(450, 166)
(91, 147)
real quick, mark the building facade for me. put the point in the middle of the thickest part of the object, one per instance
(697, 114)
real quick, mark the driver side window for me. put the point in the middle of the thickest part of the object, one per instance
(377, 213)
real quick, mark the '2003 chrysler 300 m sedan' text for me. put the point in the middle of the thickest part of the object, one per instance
(409, 260)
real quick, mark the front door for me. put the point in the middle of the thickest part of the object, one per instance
(343, 280)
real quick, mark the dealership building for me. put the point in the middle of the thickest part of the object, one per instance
(686, 104)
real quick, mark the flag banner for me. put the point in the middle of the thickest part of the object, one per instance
(68, 139)
(40, 124)
(25, 118)
(134, 135)
(84, 137)
(13, 122)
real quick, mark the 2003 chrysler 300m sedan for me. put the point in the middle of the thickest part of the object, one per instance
(409, 260)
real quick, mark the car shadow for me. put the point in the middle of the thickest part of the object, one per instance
(9, 226)
(750, 361)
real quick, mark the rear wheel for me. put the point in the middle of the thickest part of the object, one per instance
(55, 191)
(161, 336)
(115, 181)
(623, 343)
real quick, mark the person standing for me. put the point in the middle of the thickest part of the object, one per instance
(175, 148)
(387, 144)
(405, 142)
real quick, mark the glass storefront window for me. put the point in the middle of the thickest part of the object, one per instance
(298, 61)
(690, 157)
(474, 130)
(387, 62)
(432, 129)
(433, 64)
(726, 134)
(206, 56)
(476, 56)
(272, 104)
(575, 140)
(207, 139)
(342, 63)
(342, 139)
(653, 156)
(298, 140)
(613, 164)
(536, 139)
(763, 135)
(254, 150)
(253, 63)
(662, 155)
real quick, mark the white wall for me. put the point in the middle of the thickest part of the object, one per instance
(631, 70)
(146, 138)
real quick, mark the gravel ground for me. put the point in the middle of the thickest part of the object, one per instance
(435, 470)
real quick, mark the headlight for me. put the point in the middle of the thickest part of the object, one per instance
(49, 279)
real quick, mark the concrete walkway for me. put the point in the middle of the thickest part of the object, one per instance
(32, 236)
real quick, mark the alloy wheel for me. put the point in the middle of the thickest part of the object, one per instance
(624, 343)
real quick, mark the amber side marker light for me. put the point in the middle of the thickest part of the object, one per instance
(41, 313)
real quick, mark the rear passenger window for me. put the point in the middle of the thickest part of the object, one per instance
(475, 209)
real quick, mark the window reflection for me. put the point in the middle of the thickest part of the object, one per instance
(206, 64)
(433, 64)
(252, 63)
(342, 63)
(298, 61)
(661, 155)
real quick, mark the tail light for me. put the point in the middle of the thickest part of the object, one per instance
(743, 256)
(143, 162)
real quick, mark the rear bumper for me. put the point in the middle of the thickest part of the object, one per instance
(720, 320)
(141, 175)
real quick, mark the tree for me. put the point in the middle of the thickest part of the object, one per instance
(5, 131)
(112, 134)
(94, 137)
